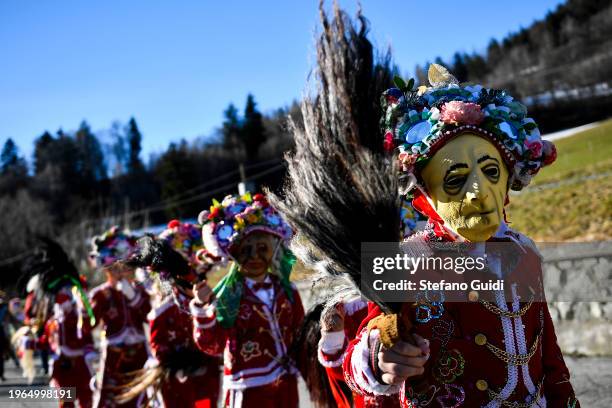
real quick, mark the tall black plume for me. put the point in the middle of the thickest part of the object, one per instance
(341, 190)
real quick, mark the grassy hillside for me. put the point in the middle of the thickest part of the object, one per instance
(572, 199)
(585, 153)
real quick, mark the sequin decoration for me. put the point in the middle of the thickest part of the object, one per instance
(428, 308)
(442, 331)
(454, 397)
(448, 366)
(410, 399)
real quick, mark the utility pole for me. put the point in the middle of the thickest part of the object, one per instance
(244, 185)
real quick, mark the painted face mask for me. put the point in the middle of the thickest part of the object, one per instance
(459, 149)
(467, 182)
(254, 253)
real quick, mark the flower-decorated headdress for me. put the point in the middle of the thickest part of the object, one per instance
(185, 238)
(235, 217)
(230, 221)
(111, 246)
(417, 122)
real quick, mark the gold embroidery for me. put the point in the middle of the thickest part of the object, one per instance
(515, 359)
(496, 310)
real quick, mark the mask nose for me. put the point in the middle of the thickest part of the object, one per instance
(475, 193)
(253, 251)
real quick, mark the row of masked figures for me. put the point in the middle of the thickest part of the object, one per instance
(450, 151)
(166, 338)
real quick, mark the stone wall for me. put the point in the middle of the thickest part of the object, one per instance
(578, 280)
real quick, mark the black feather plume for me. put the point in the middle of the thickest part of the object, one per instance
(160, 256)
(341, 190)
(52, 265)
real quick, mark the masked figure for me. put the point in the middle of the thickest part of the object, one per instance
(69, 336)
(184, 376)
(252, 315)
(121, 307)
(63, 306)
(460, 150)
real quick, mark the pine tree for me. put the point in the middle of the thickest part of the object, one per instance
(41, 152)
(231, 127)
(134, 138)
(458, 67)
(13, 169)
(9, 158)
(175, 172)
(253, 131)
(91, 158)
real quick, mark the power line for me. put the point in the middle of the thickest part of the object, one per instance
(212, 182)
(210, 193)
(174, 202)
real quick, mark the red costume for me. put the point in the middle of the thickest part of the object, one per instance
(29, 308)
(259, 371)
(332, 351)
(483, 353)
(124, 344)
(69, 338)
(172, 332)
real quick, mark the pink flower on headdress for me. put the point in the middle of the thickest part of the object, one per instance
(461, 113)
(407, 161)
(550, 152)
(388, 144)
(535, 148)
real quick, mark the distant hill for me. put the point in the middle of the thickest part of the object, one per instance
(560, 66)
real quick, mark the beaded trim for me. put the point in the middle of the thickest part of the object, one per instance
(447, 135)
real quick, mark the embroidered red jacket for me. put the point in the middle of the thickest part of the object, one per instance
(69, 334)
(172, 333)
(256, 349)
(481, 355)
(123, 319)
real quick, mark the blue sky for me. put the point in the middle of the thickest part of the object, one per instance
(176, 65)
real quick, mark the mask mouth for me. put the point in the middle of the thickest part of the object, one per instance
(255, 265)
(480, 213)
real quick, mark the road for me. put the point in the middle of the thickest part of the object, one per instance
(591, 377)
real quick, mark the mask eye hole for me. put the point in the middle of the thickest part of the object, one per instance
(492, 172)
(454, 183)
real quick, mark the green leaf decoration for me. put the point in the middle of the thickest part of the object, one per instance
(399, 82)
(410, 85)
